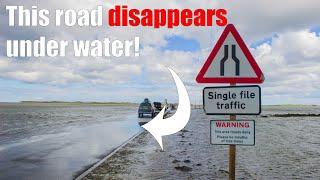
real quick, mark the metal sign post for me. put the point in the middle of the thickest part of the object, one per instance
(232, 152)
(232, 156)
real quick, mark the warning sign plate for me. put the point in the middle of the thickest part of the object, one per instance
(230, 61)
(226, 132)
(232, 100)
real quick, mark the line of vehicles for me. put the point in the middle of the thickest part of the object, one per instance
(149, 110)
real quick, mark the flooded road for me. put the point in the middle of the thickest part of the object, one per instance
(286, 148)
(58, 142)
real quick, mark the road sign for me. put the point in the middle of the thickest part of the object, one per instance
(226, 132)
(228, 100)
(230, 61)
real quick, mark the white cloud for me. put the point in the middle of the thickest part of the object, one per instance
(290, 62)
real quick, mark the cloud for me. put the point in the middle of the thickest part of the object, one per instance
(289, 60)
(291, 64)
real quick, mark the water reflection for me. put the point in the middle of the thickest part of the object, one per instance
(62, 155)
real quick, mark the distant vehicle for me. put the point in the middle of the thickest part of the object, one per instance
(157, 107)
(146, 108)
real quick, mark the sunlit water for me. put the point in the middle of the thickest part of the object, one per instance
(286, 147)
(59, 142)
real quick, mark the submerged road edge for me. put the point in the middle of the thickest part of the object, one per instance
(85, 173)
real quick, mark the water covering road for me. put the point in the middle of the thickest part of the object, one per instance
(58, 142)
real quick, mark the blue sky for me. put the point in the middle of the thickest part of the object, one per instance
(178, 43)
(287, 50)
(15, 90)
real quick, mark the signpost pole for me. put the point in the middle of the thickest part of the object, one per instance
(232, 152)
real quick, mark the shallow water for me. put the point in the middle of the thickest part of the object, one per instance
(286, 148)
(58, 142)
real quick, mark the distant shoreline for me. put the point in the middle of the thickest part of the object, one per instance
(94, 103)
(66, 103)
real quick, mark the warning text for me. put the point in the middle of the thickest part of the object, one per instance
(225, 132)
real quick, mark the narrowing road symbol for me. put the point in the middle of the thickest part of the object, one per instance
(226, 57)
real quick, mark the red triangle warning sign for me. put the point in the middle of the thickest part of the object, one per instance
(230, 61)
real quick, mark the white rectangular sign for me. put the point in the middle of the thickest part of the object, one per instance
(226, 132)
(227, 100)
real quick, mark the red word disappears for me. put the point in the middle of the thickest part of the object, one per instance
(123, 16)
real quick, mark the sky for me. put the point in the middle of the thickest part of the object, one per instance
(283, 37)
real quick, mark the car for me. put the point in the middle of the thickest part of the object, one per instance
(146, 108)
(157, 107)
